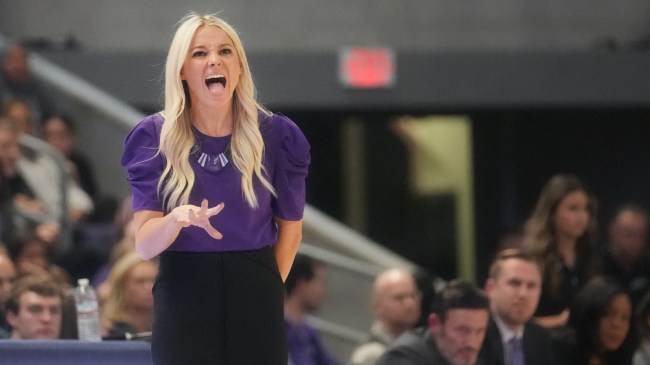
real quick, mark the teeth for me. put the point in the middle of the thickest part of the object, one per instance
(215, 77)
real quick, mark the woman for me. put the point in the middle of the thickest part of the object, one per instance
(600, 318)
(562, 231)
(129, 303)
(218, 297)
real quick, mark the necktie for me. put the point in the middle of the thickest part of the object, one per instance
(515, 352)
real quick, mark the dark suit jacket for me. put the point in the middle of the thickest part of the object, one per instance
(538, 347)
(416, 347)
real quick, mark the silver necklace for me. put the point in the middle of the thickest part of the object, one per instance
(210, 162)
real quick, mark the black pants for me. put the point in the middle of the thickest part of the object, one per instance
(219, 308)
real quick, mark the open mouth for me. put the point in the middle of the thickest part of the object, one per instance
(215, 79)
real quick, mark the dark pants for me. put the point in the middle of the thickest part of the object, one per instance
(219, 308)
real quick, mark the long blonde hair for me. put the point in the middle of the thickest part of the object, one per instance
(177, 139)
(116, 305)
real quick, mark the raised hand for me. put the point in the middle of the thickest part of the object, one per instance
(191, 215)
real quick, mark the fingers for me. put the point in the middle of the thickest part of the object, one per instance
(203, 218)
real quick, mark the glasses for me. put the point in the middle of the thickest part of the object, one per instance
(402, 297)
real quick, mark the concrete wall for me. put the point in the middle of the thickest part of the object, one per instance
(309, 24)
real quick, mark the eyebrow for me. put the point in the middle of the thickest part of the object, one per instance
(219, 46)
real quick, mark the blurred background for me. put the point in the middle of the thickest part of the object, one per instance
(433, 123)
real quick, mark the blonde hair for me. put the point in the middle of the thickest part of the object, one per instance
(177, 139)
(115, 308)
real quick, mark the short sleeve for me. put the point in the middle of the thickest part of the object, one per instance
(143, 163)
(291, 168)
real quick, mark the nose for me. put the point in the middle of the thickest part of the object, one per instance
(215, 59)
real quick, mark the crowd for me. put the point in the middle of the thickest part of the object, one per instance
(552, 297)
(38, 270)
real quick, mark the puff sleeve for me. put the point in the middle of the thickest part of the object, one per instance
(143, 163)
(291, 168)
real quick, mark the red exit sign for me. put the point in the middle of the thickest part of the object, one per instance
(367, 68)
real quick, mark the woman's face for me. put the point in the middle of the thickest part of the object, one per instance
(212, 67)
(571, 217)
(139, 283)
(615, 323)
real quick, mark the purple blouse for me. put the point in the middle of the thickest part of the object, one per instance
(286, 160)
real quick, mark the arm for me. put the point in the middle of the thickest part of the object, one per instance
(286, 247)
(155, 232)
(551, 321)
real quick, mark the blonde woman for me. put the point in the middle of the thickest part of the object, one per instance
(129, 303)
(218, 189)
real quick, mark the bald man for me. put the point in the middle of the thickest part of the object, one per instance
(396, 307)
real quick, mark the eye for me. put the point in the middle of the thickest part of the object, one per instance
(226, 51)
(198, 54)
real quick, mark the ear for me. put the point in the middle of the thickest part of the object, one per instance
(434, 323)
(12, 318)
(489, 285)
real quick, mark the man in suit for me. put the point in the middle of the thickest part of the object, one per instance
(454, 334)
(514, 287)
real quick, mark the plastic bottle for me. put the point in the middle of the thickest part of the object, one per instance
(87, 312)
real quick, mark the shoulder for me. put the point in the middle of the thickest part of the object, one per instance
(368, 353)
(151, 124)
(278, 127)
(147, 131)
(283, 136)
(415, 344)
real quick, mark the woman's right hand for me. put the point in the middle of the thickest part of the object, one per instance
(191, 215)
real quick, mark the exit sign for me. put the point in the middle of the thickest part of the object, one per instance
(367, 68)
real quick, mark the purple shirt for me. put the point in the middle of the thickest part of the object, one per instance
(286, 160)
(305, 346)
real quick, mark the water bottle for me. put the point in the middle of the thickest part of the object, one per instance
(87, 312)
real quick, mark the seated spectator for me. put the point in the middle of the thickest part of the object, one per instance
(7, 277)
(642, 317)
(19, 111)
(129, 305)
(600, 318)
(305, 293)
(514, 286)
(22, 212)
(626, 258)
(33, 257)
(16, 82)
(60, 132)
(34, 309)
(454, 335)
(396, 306)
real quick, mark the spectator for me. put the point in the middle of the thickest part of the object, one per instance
(454, 335)
(129, 305)
(22, 212)
(514, 286)
(396, 306)
(19, 111)
(305, 292)
(626, 257)
(600, 319)
(33, 256)
(33, 309)
(562, 231)
(7, 276)
(16, 82)
(59, 131)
